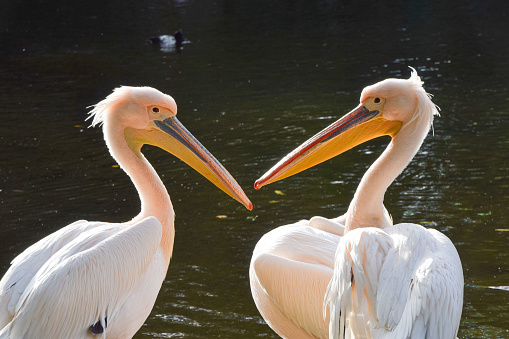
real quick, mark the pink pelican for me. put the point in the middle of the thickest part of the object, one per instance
(99, 279)
(358, 275)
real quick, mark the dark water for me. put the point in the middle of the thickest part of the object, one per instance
(257, 79)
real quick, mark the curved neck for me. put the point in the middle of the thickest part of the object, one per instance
(155, 200)
(366, 208)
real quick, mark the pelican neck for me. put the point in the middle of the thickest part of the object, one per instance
(154, 198)
(366, 208)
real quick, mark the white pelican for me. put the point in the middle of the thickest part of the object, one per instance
(376, 280)
(98, 279)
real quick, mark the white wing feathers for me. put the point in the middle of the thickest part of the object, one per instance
(345, 303)
(86, 281)
(401, 282)
(289, 272)
(271, 268)
(26, 265)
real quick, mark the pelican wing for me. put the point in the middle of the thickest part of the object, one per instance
(86, 281)
(420, 289)
(404, 281)
(27, 264)
(359, 258)
(289, 272)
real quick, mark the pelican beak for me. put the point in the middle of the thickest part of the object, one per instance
(170, 135)
(356, 127)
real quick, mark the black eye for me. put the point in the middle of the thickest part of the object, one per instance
(377, 100)
(155, 109)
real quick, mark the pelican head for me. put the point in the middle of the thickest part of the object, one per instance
(385, 108)
(144, 115)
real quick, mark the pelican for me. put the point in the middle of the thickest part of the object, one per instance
(358, 275)
(97, 279)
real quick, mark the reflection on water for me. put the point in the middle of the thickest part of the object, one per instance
(258, 79)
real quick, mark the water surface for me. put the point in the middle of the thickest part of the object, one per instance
(257, 79)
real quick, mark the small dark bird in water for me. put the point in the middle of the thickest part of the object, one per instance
(169, 43)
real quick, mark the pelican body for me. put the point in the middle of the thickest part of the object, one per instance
(358, 275)
(98, 279)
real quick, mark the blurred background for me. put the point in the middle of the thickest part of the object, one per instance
(255, 80)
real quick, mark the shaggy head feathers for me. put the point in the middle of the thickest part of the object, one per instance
(390, 88)
(143, 96)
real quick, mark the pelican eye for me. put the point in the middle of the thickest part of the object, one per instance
(377, 100)
(155, 109)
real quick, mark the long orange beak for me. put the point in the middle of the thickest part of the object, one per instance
(356, 127)
(170, 135)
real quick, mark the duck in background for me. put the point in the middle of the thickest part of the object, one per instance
(170, 43)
